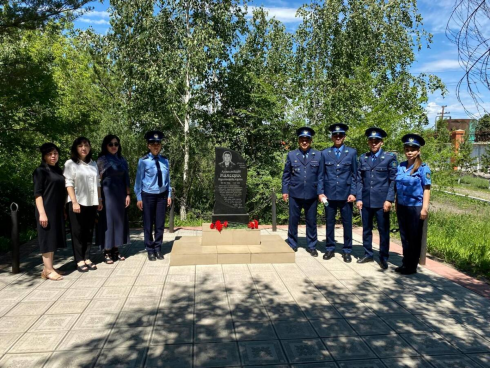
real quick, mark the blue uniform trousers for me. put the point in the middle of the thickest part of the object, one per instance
(310, 207)
(383, 220)
(346, 214)
(154, 210)
(411, 227)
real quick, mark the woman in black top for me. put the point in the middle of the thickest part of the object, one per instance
(50, 195)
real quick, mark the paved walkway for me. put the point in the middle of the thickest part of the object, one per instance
(314, 313)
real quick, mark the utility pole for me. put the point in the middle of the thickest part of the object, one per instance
(441, 115)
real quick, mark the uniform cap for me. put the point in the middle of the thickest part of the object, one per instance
(375, 133)
(154, 136)
(413, 139)
(338, 128)
(305, 132)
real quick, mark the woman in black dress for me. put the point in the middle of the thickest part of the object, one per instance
(50, 195)
(113, 225)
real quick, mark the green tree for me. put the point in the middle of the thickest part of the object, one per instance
(464, 159)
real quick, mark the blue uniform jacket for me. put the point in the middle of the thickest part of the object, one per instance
(410, 187)
(147, 178)
(376, 180)
(300, 176)
(337, 177)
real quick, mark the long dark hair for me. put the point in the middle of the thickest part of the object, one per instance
(48, 148)
(74, 153)
(106, 141)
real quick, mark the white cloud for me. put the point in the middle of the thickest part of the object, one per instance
(93, 21)
(285, 15)
(97, 14)
(442, 65)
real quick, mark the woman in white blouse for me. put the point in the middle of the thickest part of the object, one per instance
(84, 199)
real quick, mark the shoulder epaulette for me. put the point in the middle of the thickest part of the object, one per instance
(144, 157)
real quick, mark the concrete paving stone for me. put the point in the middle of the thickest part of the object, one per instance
(261, 352)
(126, 272)
(348, 348)
(356, 310)
(182, 270)
(389, 346)
(476, 324)
(235, 269)
(99, 273)
(147, 291)
(76, 294)
(385, 307)
(113, 292)
(407, 362)
(150, 280)
(5, 307)
(332, 327)
(177, 296)
(254, 330)
(175, 356)
(94, 282)
(68, 307)
(28, 280)
(49, 323)
(24, 360)
(216, 355)
(214, 330)
(7, 340)
(180, 279)
(135, 319)
(62, 284)
(342, 297)
(154, 271)
(284, 311)
(467, 341)
(247, 312)
(324, 312)
(209, 269)
(122, 357)
(442, 323)
(303, 351)
(97, 306)
(29, 308)
(120, 281)
(371, 363)
(38, 342)
(131, 262)
(213, 312)
(73, 359)
(294, 329)
(452, 361)
(244, 299)
(141, 303)
(404, 323)
(84, 339)
(44, 295)
(16, 323)
(172, 334)
(129, 337)
(482, 359)
(429, 343)
(367, 326)
(312, 365)
(96, 321)
(180, 313)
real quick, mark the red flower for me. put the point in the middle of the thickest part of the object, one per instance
(219, 227)
(250, 225)
(225, 224)
(218, 223)
(256, 224)
(211, 226)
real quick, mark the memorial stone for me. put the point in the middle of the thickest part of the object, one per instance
(230, 187)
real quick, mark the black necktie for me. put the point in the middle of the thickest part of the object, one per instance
(159, 171)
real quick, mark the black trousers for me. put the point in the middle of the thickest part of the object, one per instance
(383, 220)
(411, 229)
(82, 226)
(154, 211)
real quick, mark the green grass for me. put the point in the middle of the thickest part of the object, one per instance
(472, 182)
(462, 239)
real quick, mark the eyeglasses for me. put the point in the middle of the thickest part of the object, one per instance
(113, 144)
(338, 135)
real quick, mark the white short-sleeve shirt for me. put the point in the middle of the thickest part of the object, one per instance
(84, 178)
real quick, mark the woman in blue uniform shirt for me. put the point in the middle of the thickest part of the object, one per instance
(413, 181)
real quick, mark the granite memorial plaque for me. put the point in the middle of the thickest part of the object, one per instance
(230, 187)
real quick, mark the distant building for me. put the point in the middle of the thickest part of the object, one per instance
(458, 124)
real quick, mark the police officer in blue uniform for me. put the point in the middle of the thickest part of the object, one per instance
(337, 185)
(299, 185)
(413, 181)
(375, 194)
(153, 192)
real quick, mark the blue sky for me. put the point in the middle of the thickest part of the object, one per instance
(441, 59)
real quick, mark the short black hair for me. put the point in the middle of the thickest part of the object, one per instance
(106, 141)
(48, 148)
(74, 153)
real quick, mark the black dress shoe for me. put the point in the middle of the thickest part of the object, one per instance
(151, 257)
(407, 271)
(365, 259)
(159, 255)
(313, 252)
(329, 254)
(347, 257)
(295, 249)
(383, 264)
(399, 269)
